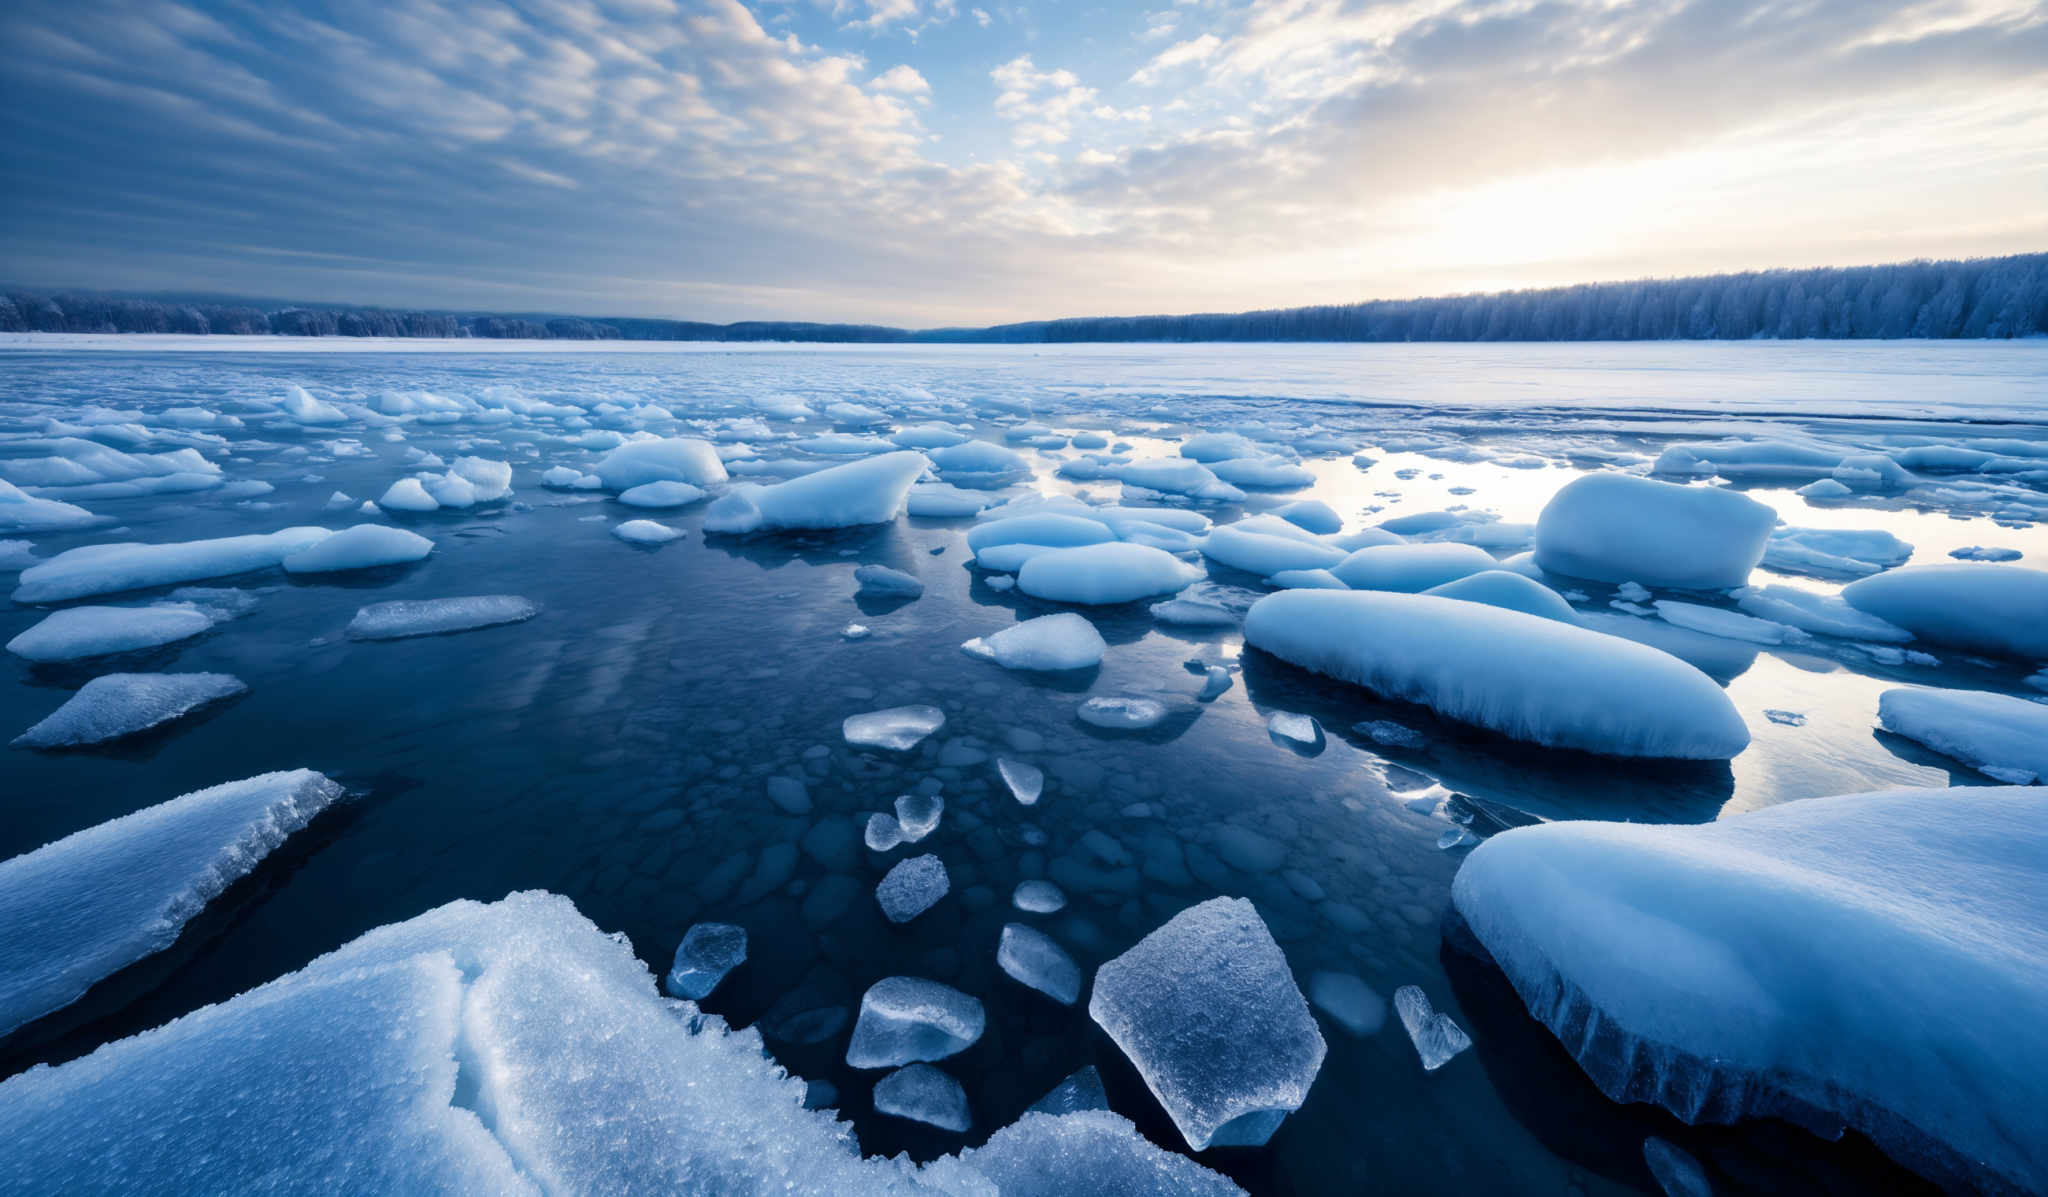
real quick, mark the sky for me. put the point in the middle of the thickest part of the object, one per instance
(937, 162)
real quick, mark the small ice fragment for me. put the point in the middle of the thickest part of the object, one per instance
(1122, 712)
(1389, 734)
(898, 729)
(1031, 957)
(1981, 553)
(1354, 1004)
(1026, 782)
(907, 1019)
(1215, 680)
(1677, 1172)
(1299, 732)
(1038, 897)
(1081, 1091)
(407, 494)
(431, 617)
(917, 815)
(922, 1093)
(1632, 592)
(708, 952)
(854, 631)
(658, 495)
(1788, 718)
(1435, 1036)
(644, 532)
(912, 887)
(1456, 837)
(883, 832)
(879, 581)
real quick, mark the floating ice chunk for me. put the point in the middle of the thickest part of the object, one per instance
(1299, 732)
(1038, 897)
(860, 492)
(489, 481)
(76, 633)
(1411, 567)
(1313, 515)
(708, 952)
(1676, 1172)
(1194, 613)
(1775, 460)
(1264, 553)
(904, 1020)
(364, 546)
(940, 500)
(1714, 621)
(1998, 735)
(303, 408)
(560, 477)
(86, 906)
(1834, 552)
(655, 495)
(1181, 476)
(1353, 1003)
(898, 729)
(1980, 553)
(927, 436)
(1862, 958)
(1122, 712)
(1087, 1152)
(407, 494)
(1982, 608)
(451, 490)
(1436, 1037)
(1215, 680)
(1617, 528)
(1218, 446)
(1207, 1011)
(1049, 642)
(1825, 489)
(1100, 574)
(673, 459)
(1263, 473)
(111, 568)
(1523, 676)
(1054, 529)
(883, 833)
(919, 814)
(645, 532)
(1512, 591)
(1389, 734)
(400, 618)
(1025, 782)
(978, 457)
(122, 704)
(922, 1093)
(879, 581)
(912, 887)
(1822, 614)
(1081, 1091)
(1031, 957)
(1306, 579)
(20, 512)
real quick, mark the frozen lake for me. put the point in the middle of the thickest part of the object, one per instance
(619, 747)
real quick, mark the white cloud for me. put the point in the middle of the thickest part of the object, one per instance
(903, 80)
(1180, 54)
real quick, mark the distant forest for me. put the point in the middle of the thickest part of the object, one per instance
(1976, 298)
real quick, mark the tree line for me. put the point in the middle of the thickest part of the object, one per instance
(1976, 298)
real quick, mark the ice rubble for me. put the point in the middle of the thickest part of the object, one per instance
(708, 952)
(82, 908)
(1209, 1014)
(1999, 609)
(1768, 963)
(1031, 957)
(658, 495)
(646, 532)
(358, 1074)
(924, 1094)
(671, 459)
(1521, 675)
(114, 705)
(76, 633)
(913, 886)
(1050, 642)
(905, 1020)
(871, 491)
(401, 618)
(1411, 567)
(1511, 591)
(1619, 528)
(111, 568)
(898, 729)
(2000, 736)
(1101, 574)
(364, 546)
(879, 581)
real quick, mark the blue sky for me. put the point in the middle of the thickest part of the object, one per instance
(938, 161)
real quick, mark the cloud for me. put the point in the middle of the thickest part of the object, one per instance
(903, 80)
(1179, 54)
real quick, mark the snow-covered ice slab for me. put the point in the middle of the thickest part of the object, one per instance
(1054, 642)
(1207, 1011)
(904, 1020)
(708, 952)
(20, 512)
(1411, 567)
(1619, 528)
(659, 495)
(1521, 675)
(1100, 574)
(114, 705)
(647, 532)
(364, 546)
(1031, 957)
(898, 729)
(1504, 588)
(1999, 609)
(76, 633)
(674, 459)
(400, 618)
(1868, 959)
(871, 491)
(1998, 735)
(80, 909)
(112, 568)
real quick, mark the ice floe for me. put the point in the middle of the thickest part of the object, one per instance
(1031, 957)
(111, 568)
(1998, 735)
(912, 886)
(114, 705)
(1102, 574)
(2000, 609)
(1059, 641)
(907, 1020)
(76, 633)
(871, 491)
(401, 618)
(898, 729)
(1619, 528)
(672, 459)
(364, 546)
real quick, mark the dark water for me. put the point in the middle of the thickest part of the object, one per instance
(616, 749)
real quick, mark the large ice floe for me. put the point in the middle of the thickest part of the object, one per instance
(76, 633)
(80, 909)
(1209, 1014)
(1102, 574)
(114, 705)
(1619, 528)
(503, 1048)
(1998, 735)
(111, 568)
(870, 491)
(1411, 567)
(1869, 960)
(674, 459)
(1518, 674)
(2000, 609)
